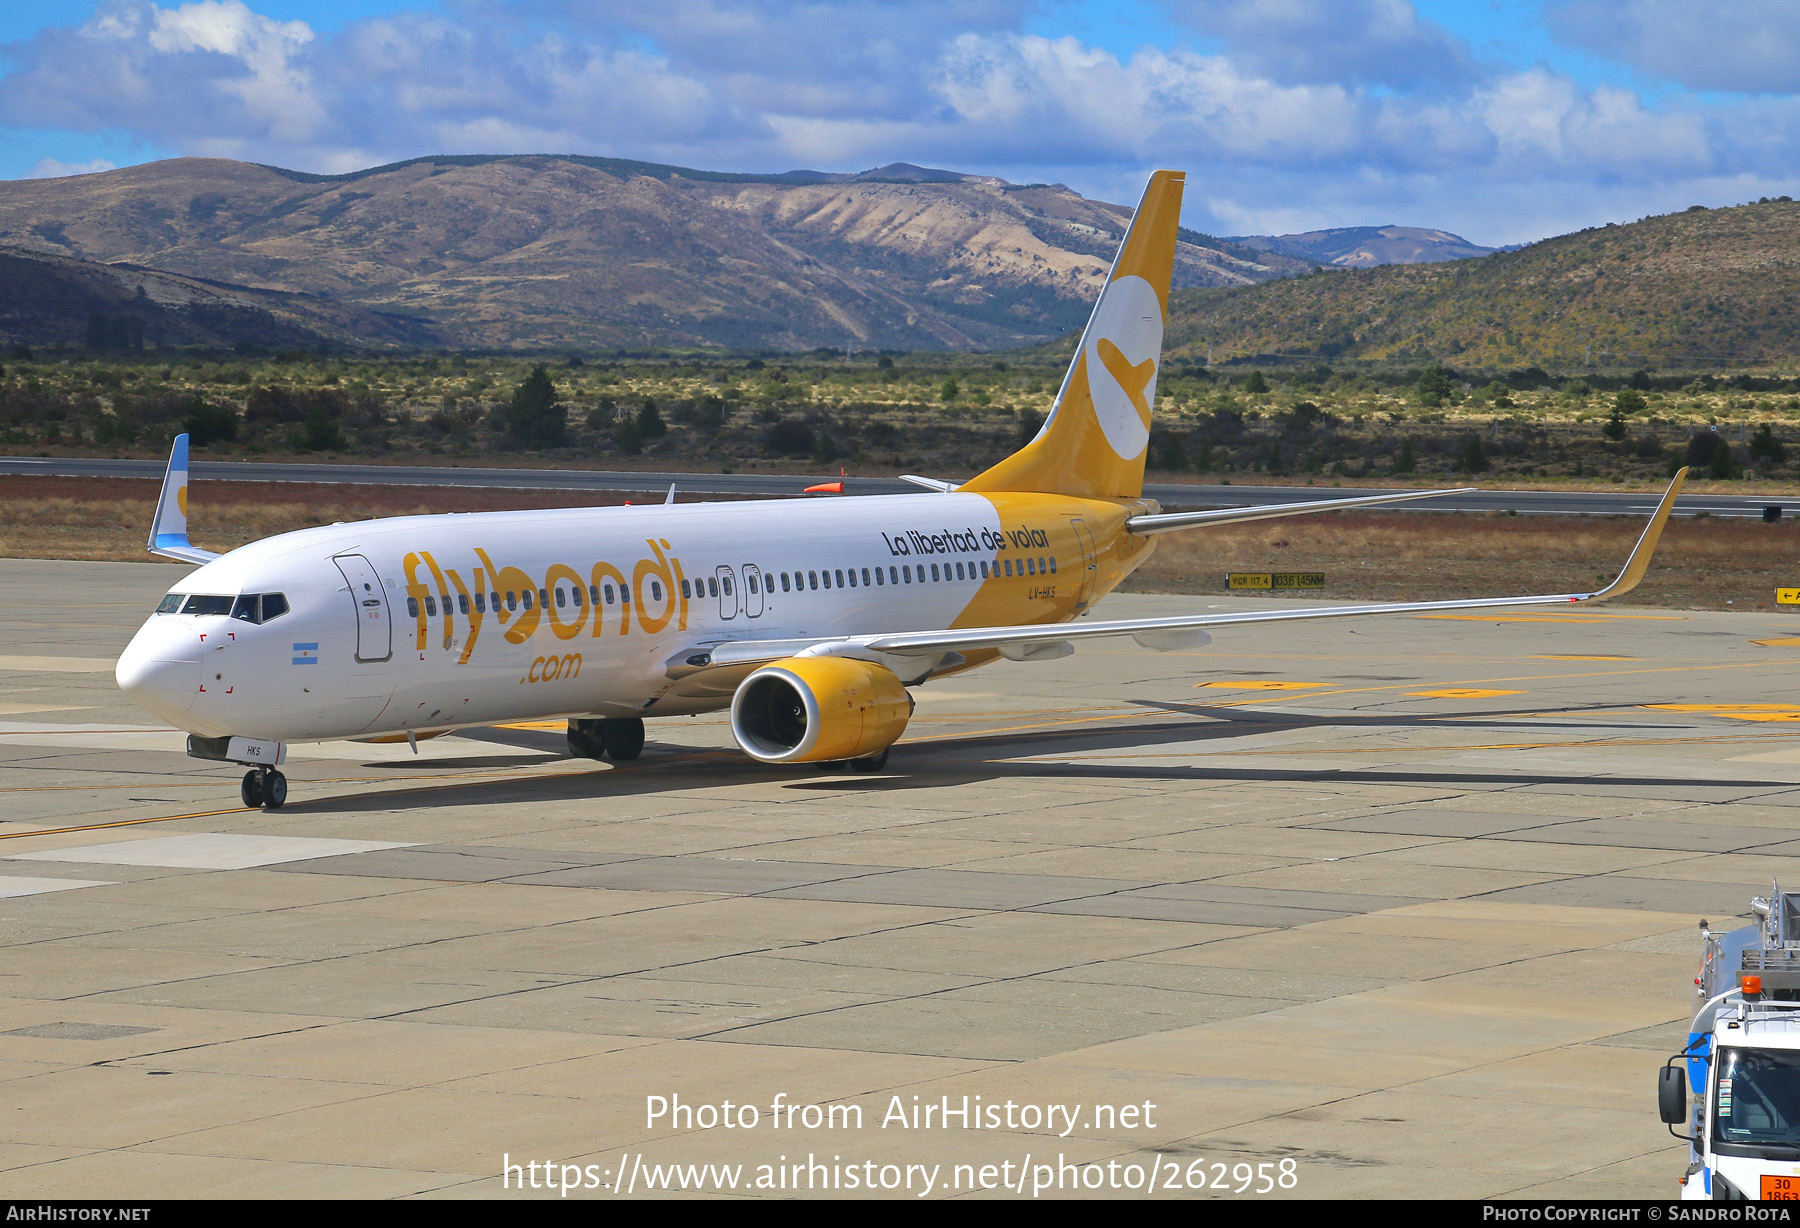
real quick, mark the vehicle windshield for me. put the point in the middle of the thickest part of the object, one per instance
(1756, 1102)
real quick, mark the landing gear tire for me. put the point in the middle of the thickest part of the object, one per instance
(870, 763)
(583, 744)
(622, 739)
(274, 790)
(251, 790)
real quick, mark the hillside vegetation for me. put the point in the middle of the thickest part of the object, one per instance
(1689, 290)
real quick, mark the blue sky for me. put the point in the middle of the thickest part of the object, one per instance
(1503, 120)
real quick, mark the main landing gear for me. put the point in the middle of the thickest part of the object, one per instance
(618, 739)
(263, 788)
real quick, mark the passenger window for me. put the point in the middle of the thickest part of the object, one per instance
(866, 576)
(879, 578)
(906, 572)
(171, 603)
(853, 577)
(512, 600)
(412, 607)
(543, 598)
(959, 571)
(784, 582)
(562, 602)
(753, 587)
(481, 603)
(656, 590)
(840, 579)
(984, 574)
(575, 595)
(1053, 564)
(524, 599)
(1040, 563)
(608, 590)
(593, 595)
(685, 592)
(728, 586)
(812, 580)
(1009, 567)
(430, 606)
(274, 606)
(934, 573)
(894, 575)
(462, 602)
(624, 594)
(712, 586)
(494, 601)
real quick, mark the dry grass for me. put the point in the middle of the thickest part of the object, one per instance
(1381, 556)
(1393, 556)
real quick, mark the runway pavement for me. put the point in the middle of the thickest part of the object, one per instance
(771, 485)
(1410, 903)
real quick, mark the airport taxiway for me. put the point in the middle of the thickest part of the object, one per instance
(1410, 902)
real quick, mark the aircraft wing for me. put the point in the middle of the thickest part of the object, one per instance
(1055, 639)
(1163, 522)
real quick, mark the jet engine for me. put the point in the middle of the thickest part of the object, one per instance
(819, 709)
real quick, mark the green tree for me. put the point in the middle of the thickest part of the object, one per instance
(1764, 446)
(1254, 382)
(320, 433)
(1629, 401)
(650, 422)
(1474, 455)
(628, 436)
(1721, 467)
(208, 423)
(950, 390)
(533, 416)
(1436, 386)
(1615, 423)
(1407, 461)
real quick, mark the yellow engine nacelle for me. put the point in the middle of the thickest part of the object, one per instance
(813, 709)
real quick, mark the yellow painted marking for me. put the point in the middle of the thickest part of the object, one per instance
(1737, 712)
(1461, 693)
(1260, 684)
(557, 726)
(1787, 642)
(167, 818)
(1573, 657)
(1787, 596)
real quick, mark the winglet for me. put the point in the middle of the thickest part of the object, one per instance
(671, 497)
(168, 531)
(1639, 562)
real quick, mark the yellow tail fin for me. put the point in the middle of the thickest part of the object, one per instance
(1094, 442)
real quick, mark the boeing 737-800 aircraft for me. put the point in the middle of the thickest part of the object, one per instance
(807, 619)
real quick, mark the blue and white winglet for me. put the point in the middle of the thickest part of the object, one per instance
(168, 532)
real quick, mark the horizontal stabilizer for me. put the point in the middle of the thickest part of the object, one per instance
(1163, 522)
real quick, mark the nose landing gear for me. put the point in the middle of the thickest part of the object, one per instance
(263, 788)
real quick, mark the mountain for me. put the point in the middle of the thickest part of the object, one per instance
(541, 251)
(1365, 247)
(46, 299)
(1704, 287)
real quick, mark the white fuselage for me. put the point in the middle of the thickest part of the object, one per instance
(423, 623)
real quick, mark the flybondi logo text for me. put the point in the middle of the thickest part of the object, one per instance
(1122, 346)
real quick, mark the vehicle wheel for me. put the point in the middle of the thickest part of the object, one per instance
(623, 739)
(251, 790)
(582, 742)
(274, 791)
(870, 763)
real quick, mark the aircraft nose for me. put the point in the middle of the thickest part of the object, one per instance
(160, 668)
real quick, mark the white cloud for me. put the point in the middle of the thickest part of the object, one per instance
(50, 168)
(1738, 46)
(1350, 42)
(1265, 132)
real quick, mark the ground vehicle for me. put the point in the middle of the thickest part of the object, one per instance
(1742, 1061)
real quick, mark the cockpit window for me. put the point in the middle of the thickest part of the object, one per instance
(200, 604)
(259, 607)
(171, 604)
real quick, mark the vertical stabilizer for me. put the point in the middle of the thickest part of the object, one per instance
(1094, 442)
(169, 531)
